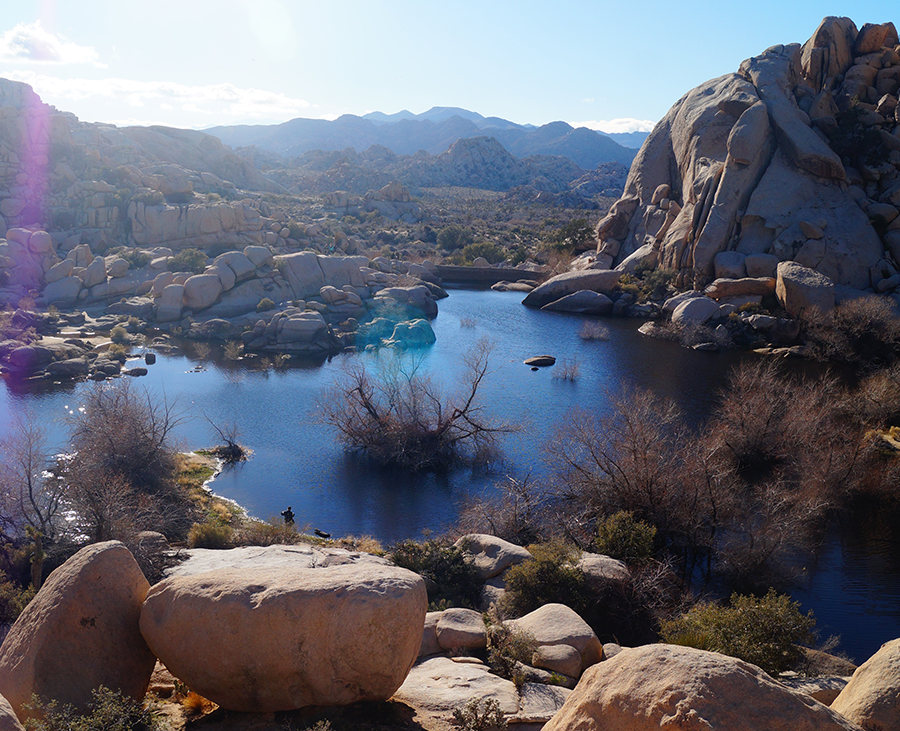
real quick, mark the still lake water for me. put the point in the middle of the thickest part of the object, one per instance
(853, 585)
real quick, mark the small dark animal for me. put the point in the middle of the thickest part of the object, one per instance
(322, 534)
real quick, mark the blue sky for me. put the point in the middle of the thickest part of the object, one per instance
(196, 63)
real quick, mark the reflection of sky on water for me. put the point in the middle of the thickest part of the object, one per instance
(296, 461)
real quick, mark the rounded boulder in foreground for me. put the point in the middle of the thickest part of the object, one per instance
(872, 697)
(671, 687)
(81, 631)
(263, 640)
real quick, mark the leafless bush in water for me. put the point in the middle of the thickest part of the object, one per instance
(399, 416)
(593, 330)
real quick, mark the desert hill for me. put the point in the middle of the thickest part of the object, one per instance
(433, 131)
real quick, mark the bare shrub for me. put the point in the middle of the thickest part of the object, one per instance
(230, 451)
(628, 460)
(28, 495)
(864, 331)
(233, 350)
(593, 330)
(567, 370)
(518, 513)
(399, 416)
(877, 399)
(120, 470)
(770, 425)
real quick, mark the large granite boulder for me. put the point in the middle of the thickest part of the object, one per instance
(263, 640)
(80, 631)
(743, 165)
(666, 686)
(584, 302)
(490, 555)
(439, 685)
(872, 697)
(201, 290)
(461, 628)
(557, 624)
(555, 288)
(801, 290)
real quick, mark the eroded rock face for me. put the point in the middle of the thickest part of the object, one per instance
(265, 640)
(80, 632)
(872, 697)
(665, 686)
(748, 164)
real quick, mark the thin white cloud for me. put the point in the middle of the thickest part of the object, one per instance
(624, 124)
(213, 100)
(32, 43)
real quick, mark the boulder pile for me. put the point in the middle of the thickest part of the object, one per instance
(278, 628)
(291, 628)
(793, 158)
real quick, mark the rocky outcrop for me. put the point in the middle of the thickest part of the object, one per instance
(259, 639)
(658, 686)
(79, 632)
(872, 697)
(778, 159)
(103, 185)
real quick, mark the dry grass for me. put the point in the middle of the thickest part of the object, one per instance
(364, 544)
(195, 704)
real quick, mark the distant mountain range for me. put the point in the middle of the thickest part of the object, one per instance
(434, 131)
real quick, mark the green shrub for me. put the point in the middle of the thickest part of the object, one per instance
(508, 649)
(118, 334)
(188, 260)
(550, 578)
(490, 251)
(13, 598)
(136, 259)
(211, 534)
(450, 578)
(109, 710)
(575, 235)
(622, 537)
(765, 632)
(149, 197)
(479, 715)
(454, 237)
(265, 304)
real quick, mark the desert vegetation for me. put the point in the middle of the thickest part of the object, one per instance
(399, 416)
